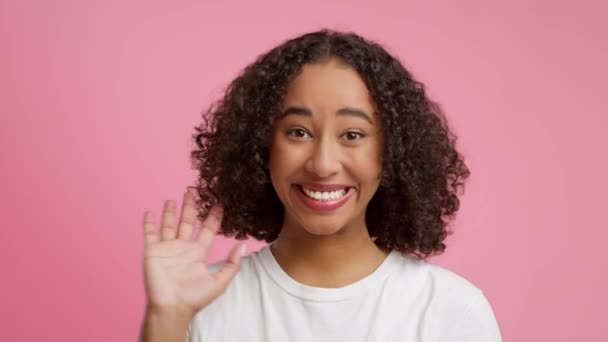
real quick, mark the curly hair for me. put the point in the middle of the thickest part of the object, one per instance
(422, 170)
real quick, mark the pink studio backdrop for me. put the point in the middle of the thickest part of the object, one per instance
(98, 100)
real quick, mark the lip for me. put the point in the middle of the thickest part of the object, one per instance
(323, 206)
(324, 187)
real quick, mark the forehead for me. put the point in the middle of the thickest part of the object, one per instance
(328, 85)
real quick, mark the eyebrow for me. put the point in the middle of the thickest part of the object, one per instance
(344, 111)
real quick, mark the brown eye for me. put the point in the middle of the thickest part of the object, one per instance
(297, 133)
(352, 135)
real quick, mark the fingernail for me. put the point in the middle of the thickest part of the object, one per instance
(243, 249)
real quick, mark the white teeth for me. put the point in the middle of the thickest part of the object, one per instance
(324, 196)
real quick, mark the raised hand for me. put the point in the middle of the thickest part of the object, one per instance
(175, 275)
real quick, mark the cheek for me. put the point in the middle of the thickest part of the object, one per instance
(367, 162)
(284, 159)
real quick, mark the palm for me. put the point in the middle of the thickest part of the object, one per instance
(174, 272)
(176, 275)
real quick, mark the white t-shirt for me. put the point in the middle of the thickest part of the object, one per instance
(404, 299)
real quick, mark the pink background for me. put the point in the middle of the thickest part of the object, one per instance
(98, 100)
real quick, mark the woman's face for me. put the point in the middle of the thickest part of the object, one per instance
(325, 155)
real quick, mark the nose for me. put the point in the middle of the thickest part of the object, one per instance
(324, 160)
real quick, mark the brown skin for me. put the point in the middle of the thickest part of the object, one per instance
(176, 280)
(326, 249)
(422, 171)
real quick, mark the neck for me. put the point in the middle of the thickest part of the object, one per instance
(328, 261)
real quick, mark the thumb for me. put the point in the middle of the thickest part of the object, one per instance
(230, 267)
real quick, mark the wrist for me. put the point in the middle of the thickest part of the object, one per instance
(165, 324)
(169, 311)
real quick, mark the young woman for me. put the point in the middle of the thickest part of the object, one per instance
(328, 149)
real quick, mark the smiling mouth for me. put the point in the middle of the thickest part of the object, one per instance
(324, 196)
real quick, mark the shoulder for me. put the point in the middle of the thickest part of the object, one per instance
(450, 297)
(445, 293)
(244, 283)
(433, 277)
(229, 306)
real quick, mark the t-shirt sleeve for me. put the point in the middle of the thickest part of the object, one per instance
(477, 324)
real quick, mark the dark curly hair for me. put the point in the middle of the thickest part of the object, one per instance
(422, 170)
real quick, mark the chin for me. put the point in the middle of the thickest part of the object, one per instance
(323, 231)
(323, 226)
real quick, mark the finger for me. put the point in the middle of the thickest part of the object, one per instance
(211, 226)
(167, 227)
(150, 235)
(188, 217)
(230, 267)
